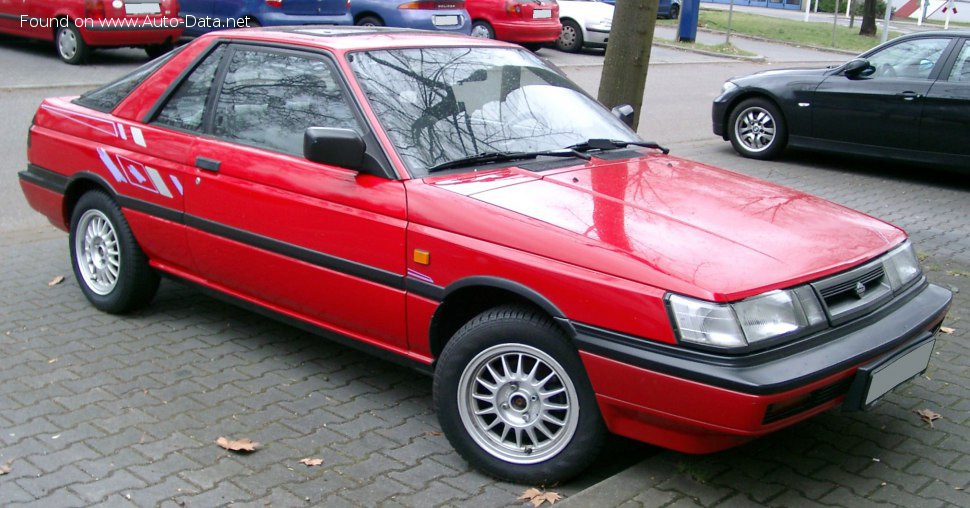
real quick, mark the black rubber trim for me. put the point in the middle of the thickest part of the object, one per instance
(313, 257)
(44, 178)
(310, 327)
(510, 286)
(914, 314)
(617, 155)
(424, 289)
(169, 214)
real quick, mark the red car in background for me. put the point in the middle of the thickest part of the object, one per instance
(531, 23)
(78, 26)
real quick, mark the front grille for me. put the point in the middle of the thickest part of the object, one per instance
(851, 294)
(777, 412)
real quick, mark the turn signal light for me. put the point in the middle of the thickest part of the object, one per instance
(513, 8)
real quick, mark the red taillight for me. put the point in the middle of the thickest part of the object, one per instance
(275, 3)
(428, 6)
(94, 9)
(513, 8)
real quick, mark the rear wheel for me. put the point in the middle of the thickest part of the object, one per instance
(369, 21)
(109, 265)
(513, 398)
(483, 29)
(757, 129)
(571, 38)
(70, 45)
(674, 11)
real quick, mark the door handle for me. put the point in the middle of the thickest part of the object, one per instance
(908, 96)
(207, 164)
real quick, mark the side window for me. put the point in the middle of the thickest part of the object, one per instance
(107, 97)
(268, 99)
(912, 59)
(185, 108)
(961, 67)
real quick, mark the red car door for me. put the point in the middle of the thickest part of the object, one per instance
(321, 244)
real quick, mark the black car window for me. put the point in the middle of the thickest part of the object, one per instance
(961, 67)
(185, 108)
(268, 99)
(109, 96)
(912, 59)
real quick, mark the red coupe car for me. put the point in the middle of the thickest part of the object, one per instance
(78, 26)
(456, 205)
(531, 23)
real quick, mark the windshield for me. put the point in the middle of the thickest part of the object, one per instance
(443, 104)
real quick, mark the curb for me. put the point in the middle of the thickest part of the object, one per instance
(784, 43)
(668, 45)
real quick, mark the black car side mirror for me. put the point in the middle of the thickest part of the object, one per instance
(625, 113)
(336, 147)
(858, 68)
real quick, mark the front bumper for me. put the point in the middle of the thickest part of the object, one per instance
(701, 402)
(596, 38)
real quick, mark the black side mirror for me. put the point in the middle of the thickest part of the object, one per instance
(336, 147)
(857, 68)
(625, 113)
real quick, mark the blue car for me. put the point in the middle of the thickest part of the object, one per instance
(446, 15)
(669, 9)
(203, 16)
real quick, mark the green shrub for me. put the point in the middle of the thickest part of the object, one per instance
(829, 5)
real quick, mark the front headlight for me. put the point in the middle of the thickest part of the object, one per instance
(728, 86)
(766, 316)
(901, 266)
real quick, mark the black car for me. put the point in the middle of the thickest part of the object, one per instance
(907, 99)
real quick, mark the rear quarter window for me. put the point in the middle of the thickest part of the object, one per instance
(106, 98)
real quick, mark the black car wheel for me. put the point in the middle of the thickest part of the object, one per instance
(109, 265)
(757, 129)
(70, 45)
(571, 38)
(369, 21)
(674, 11)
(513, 398)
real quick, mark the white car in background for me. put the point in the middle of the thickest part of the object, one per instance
(585, 23)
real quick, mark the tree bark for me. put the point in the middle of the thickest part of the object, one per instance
(625, 66)
(868, 27)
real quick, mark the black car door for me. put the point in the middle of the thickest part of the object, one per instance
(882, 105)
(946, 113)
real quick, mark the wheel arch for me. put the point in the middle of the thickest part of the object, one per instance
(80, 184)
(368, 14)
(751, 94)
(468, 297)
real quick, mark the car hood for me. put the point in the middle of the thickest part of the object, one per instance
(774, 73)
(679, 225)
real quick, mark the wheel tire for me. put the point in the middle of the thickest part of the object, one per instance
(674, 11)
(97, 224)
(156, 50)
(757, 129)
(571, 38)
(532, 46)
(369, 21)
(532, 347)
(482, 29)
(70, 45)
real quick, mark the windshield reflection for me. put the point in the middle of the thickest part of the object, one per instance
(443, 104)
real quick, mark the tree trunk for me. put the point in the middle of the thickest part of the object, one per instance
(868, 27)
(625, 66)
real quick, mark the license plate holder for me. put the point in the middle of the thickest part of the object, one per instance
(444, 20)
(880, 377)
(144, 8)
(541, 13)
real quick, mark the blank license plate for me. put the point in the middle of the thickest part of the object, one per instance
(143, 8)
(542, 13)
(444, 20)
(897, 371)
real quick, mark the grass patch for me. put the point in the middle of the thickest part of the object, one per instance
(721, 49)
(795, 32)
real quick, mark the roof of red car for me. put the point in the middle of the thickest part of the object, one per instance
(351, 37)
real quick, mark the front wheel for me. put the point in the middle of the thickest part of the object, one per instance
(570, 38)
(109, 265)
(70, 45)
(674, 11)
(757, 129)
(513, 398)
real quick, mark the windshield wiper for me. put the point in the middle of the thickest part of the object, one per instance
(488, 157)
(612, 144)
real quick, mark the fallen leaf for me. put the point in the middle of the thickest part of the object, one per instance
(947, 330)
(530, 494)
(538, 497)
(432, 433)
(237, 445)
(929, 416)
(52, 360)
(5, 468)
(56, 280)
(309, 462)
